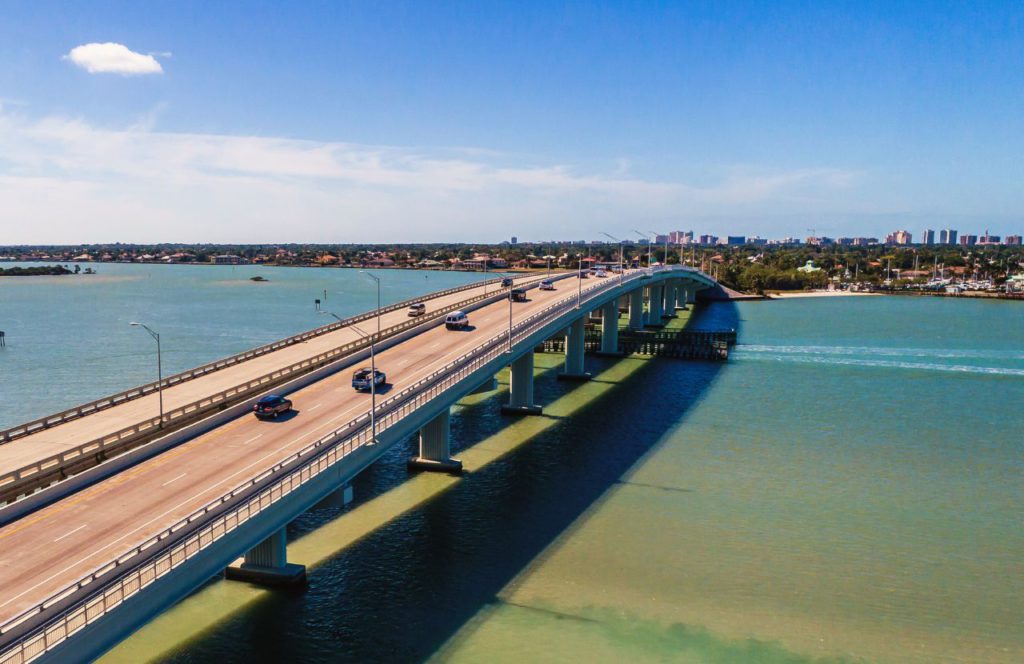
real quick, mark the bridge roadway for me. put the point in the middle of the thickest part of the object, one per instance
(45, 550)
(46, 443)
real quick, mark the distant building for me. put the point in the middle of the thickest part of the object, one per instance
(734, 240)
(227, 259)
(928, 237)
(947, 236)
(988, 239)
(707, 239)
(864, 241)
(820, 241)
(515, 240)
(899, 238)
(661, 239)
(1013, 240)
(968, 240)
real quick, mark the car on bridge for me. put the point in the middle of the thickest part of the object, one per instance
(271, 406)
(361, 378)
(547, 284)
(506, 282)
(417, 309)
(518, 294)
(601, 273)
(456, 320)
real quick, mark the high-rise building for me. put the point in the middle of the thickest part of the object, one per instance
(514, 239)
(1013, 240)
(928, 237)
(988, 239)
(899, 237)
(736, 240)
(947, 236)
(968, 240)
(707, 239)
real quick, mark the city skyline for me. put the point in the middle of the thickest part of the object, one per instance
(399, 122)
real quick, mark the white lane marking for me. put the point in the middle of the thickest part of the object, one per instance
(174, 479)
(70, 532)
(313, 407)
(259, 435)
(437, 344)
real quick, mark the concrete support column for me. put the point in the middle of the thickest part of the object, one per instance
(636, 309)
(610, 328)
(267, 564)
(574, 339)
(435, 446)
(691, 293)
(520, 389)
(654, 306)
(670, 300)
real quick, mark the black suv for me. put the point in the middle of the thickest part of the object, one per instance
(519, 295)
(271, 405)
(506, 282)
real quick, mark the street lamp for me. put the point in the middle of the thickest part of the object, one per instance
(621, 274)
(373, 362)
(159, 369)
(510, 286)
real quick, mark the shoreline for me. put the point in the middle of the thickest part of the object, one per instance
(804, 294)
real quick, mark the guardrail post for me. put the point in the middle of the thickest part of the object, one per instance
(266, 564)
(435, 447)
(574, 345)
(520, 393)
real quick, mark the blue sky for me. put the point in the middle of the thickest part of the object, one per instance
(474, 121)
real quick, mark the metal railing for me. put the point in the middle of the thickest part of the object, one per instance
(143, 565)
(16, 482)
(103, 403)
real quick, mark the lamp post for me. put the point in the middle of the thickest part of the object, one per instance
(510, 286)
(621, 274)
(579, 281)
(373, 363)
(159, 369)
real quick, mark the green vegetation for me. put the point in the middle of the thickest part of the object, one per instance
(44, 270)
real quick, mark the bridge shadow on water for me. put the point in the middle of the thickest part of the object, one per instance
(401, 592)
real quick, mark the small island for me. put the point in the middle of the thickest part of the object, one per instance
(36, 271)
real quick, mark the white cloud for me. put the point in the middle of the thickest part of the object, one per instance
(111, 58)
(65, 180)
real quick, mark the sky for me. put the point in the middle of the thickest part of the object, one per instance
(385, 121)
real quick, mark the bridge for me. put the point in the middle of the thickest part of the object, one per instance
(116, 526)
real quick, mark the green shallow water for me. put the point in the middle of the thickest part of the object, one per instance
(847, 488)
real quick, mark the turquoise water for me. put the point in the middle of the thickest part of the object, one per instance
(847, 488)
(69, 342)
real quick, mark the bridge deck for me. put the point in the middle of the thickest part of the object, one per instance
(69, 435)
(45, 550)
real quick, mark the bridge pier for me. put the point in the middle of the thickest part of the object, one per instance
(610, 329)
(435, 446)
(574, 340)
(266, 564)
(636, 309)
(654, 306)
(520, 391)
(691, 294)
(670, 300)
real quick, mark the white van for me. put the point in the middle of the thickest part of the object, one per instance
(456, 320)
(417, 309)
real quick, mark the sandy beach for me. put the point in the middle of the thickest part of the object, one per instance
(786, 296)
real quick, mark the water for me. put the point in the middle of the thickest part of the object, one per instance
(69, 342)
(847, 488)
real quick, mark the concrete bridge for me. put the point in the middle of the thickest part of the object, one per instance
(118, 537)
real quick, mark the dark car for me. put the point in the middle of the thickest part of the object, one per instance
(361, 378)
(519, 295)
(271, 405)
(506, 282)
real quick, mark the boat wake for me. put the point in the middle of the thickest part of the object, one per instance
(888, 358)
